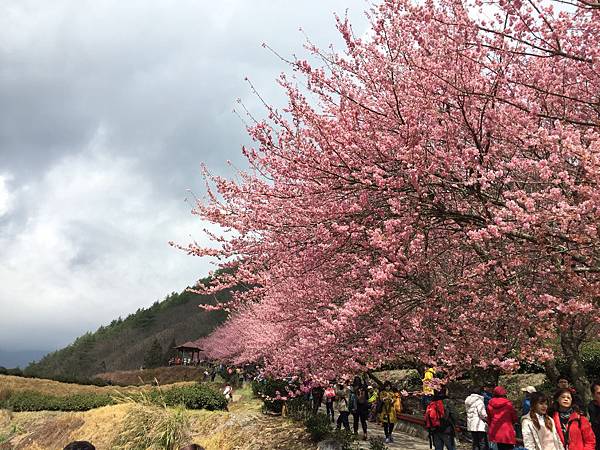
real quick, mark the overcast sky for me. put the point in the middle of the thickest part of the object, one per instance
(107, 109)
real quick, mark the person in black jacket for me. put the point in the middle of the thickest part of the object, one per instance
(594, 412)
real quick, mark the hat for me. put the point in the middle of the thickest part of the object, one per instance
(499, 391)
(529, 389)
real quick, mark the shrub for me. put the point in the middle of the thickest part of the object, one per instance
(36, 401)
(16, 372)
(318, 426)
(299, 408)
(268, 388)
(377, 443)
(590, 356)
(196, 396)
(84, 402)
(344, 438)
(192, 397)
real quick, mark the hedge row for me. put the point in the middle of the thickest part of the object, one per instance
(36, 401)
(195, 396)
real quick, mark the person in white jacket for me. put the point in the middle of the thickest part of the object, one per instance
(539, 432)
(477, 420)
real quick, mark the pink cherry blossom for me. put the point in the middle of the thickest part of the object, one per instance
(429, 195)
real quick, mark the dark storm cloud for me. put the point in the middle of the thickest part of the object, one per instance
(107, 110)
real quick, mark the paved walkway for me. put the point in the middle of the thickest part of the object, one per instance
(402, 439)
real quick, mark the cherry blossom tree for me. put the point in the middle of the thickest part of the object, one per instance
(428, 195)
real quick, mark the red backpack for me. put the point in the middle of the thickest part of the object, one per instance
(434, 414)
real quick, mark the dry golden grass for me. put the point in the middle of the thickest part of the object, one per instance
(10, 383)
(243, 427)
(51, 387)
(53, 430)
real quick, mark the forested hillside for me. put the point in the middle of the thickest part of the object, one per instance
(127, 343)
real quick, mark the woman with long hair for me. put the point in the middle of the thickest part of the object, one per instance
(573, 428)
(539, 432)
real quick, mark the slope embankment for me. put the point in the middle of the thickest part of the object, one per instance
(244, 426)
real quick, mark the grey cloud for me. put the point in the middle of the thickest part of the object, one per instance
(107, 110)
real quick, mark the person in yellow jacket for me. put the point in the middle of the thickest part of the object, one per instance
(389, 406)
(373, 403)
(427, 390)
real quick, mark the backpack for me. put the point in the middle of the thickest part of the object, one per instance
(434, 414)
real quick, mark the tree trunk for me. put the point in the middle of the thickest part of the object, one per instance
(570, 347)
(552, 372)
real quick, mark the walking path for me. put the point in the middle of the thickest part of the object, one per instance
(402, 440)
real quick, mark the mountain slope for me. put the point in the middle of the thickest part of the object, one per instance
(124, 343)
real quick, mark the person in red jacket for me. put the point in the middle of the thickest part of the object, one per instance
(501, 419)
(574, 430)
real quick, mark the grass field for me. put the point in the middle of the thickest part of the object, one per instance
(57, 388)
(242, 427)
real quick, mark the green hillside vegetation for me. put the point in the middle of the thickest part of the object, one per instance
(144, 338)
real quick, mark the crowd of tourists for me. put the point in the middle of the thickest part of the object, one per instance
(556, 422)
(361, 401)
(544, 422)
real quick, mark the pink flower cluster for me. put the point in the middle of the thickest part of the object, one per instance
(430, 194)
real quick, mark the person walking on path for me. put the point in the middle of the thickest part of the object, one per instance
(573, 428)
(477, 420)
(341, 403)
(373, 403)
(389, 407)
(539, 432)
(440, 421)
(594, 412)
(228, 392)
(317, 398)
(501, 419)
(329, 401)
(359, 405)
(427, 389)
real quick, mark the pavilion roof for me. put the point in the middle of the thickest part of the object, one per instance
(189, 345)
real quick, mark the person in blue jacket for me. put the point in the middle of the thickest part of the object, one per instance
(526, 407)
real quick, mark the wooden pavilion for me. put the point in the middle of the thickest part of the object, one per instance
(190, 353)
